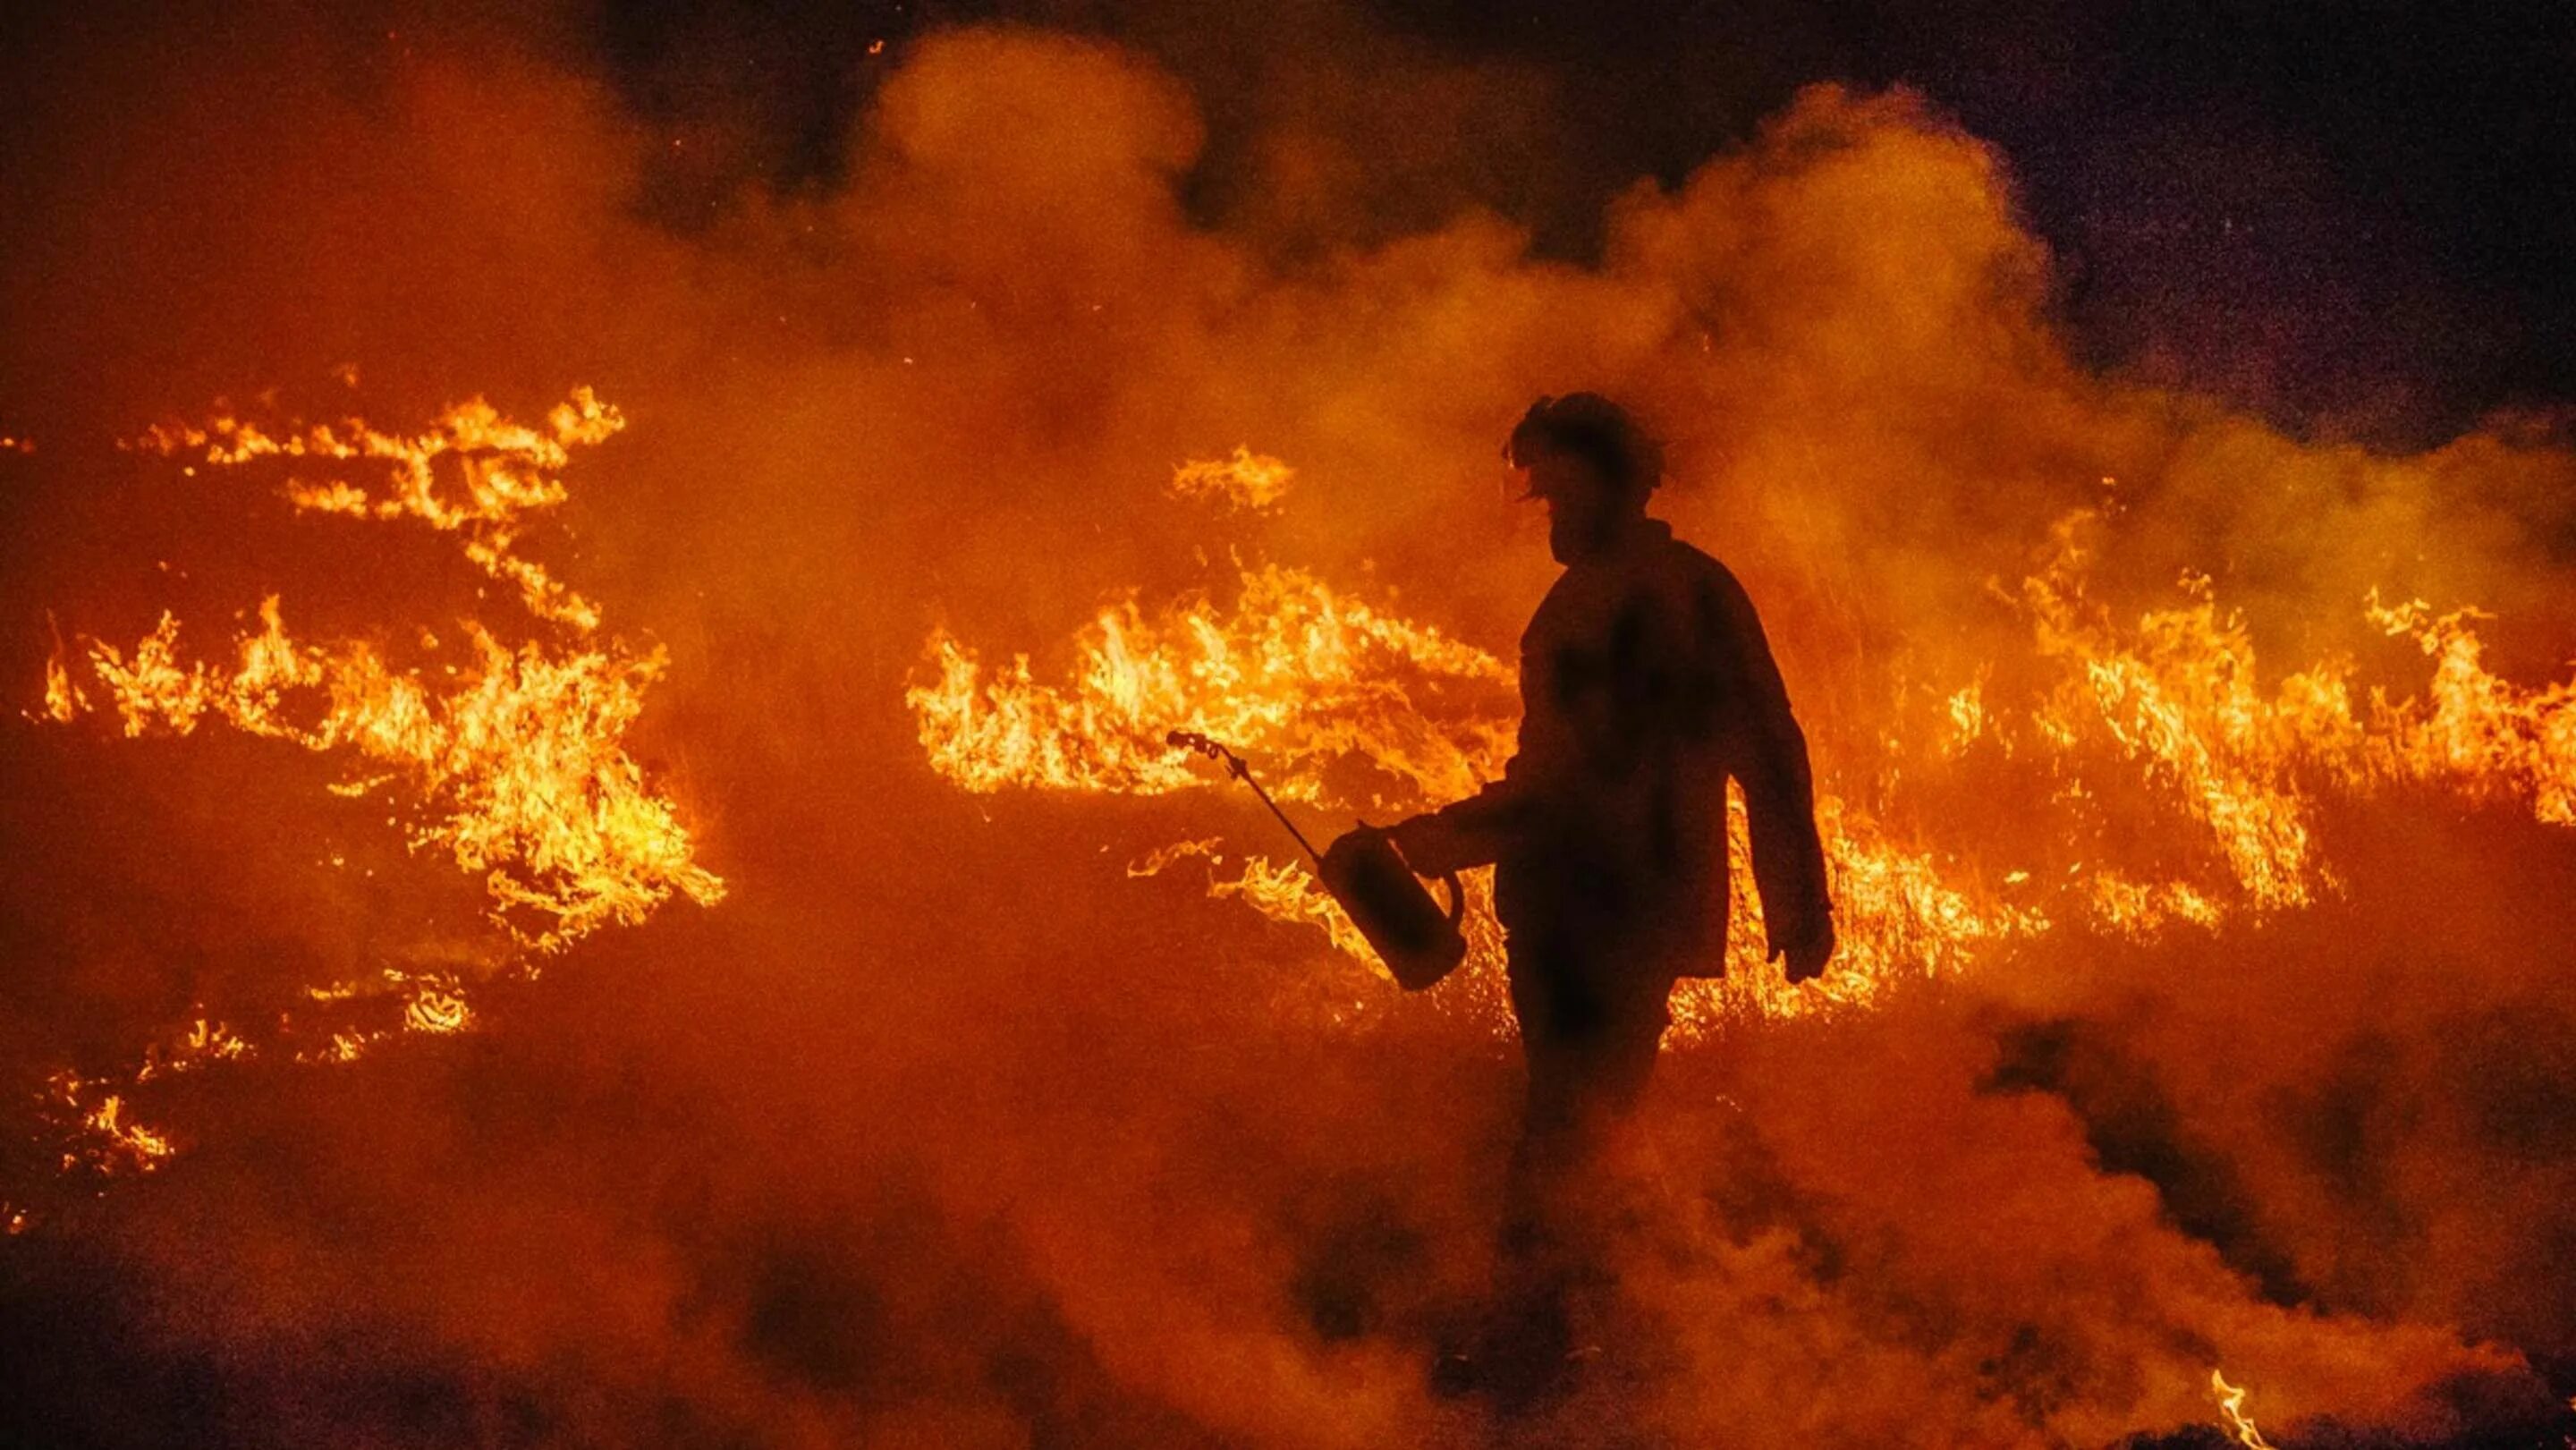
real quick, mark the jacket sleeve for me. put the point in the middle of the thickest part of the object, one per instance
(1474, 831)
(1767, 755)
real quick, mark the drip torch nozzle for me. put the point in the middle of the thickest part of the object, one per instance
(1193, 740)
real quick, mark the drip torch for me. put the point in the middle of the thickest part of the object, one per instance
(1383, 896)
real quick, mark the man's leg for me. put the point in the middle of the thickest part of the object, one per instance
(1590, 1054)
(1590, 1050)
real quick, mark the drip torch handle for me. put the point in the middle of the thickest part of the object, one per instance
(1193, 740)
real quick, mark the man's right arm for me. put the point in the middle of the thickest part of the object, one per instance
(1471, 832)
(1474, 831)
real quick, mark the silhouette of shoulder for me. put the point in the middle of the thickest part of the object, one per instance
(1716, 597)
(1701, 565)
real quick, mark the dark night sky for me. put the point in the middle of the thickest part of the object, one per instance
(2358, 218)
(2355, 217)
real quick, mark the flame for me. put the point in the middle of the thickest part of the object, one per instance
(434, 1010)
(1967, 713)
(2180, 695)
(1163, 858)
(204, 1042)
(1248, 480)
(504, 472)
(1288, 892)
(112, 1141)
(2168, 715)
(1900, 913)
(63, 703)
(513, 758)
(2231, 1404)
(1294, 672)
(518, 753)
(2479, 734)
(519, 757)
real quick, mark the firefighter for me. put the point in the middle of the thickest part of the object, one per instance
(1646, 684)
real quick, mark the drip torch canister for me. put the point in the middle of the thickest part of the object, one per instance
(1383, 896)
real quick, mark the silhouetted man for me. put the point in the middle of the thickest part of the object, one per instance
(1646, 684)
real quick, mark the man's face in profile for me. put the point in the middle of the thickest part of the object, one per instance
(1583, 507)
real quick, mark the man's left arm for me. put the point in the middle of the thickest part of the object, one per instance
(1770, 761)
